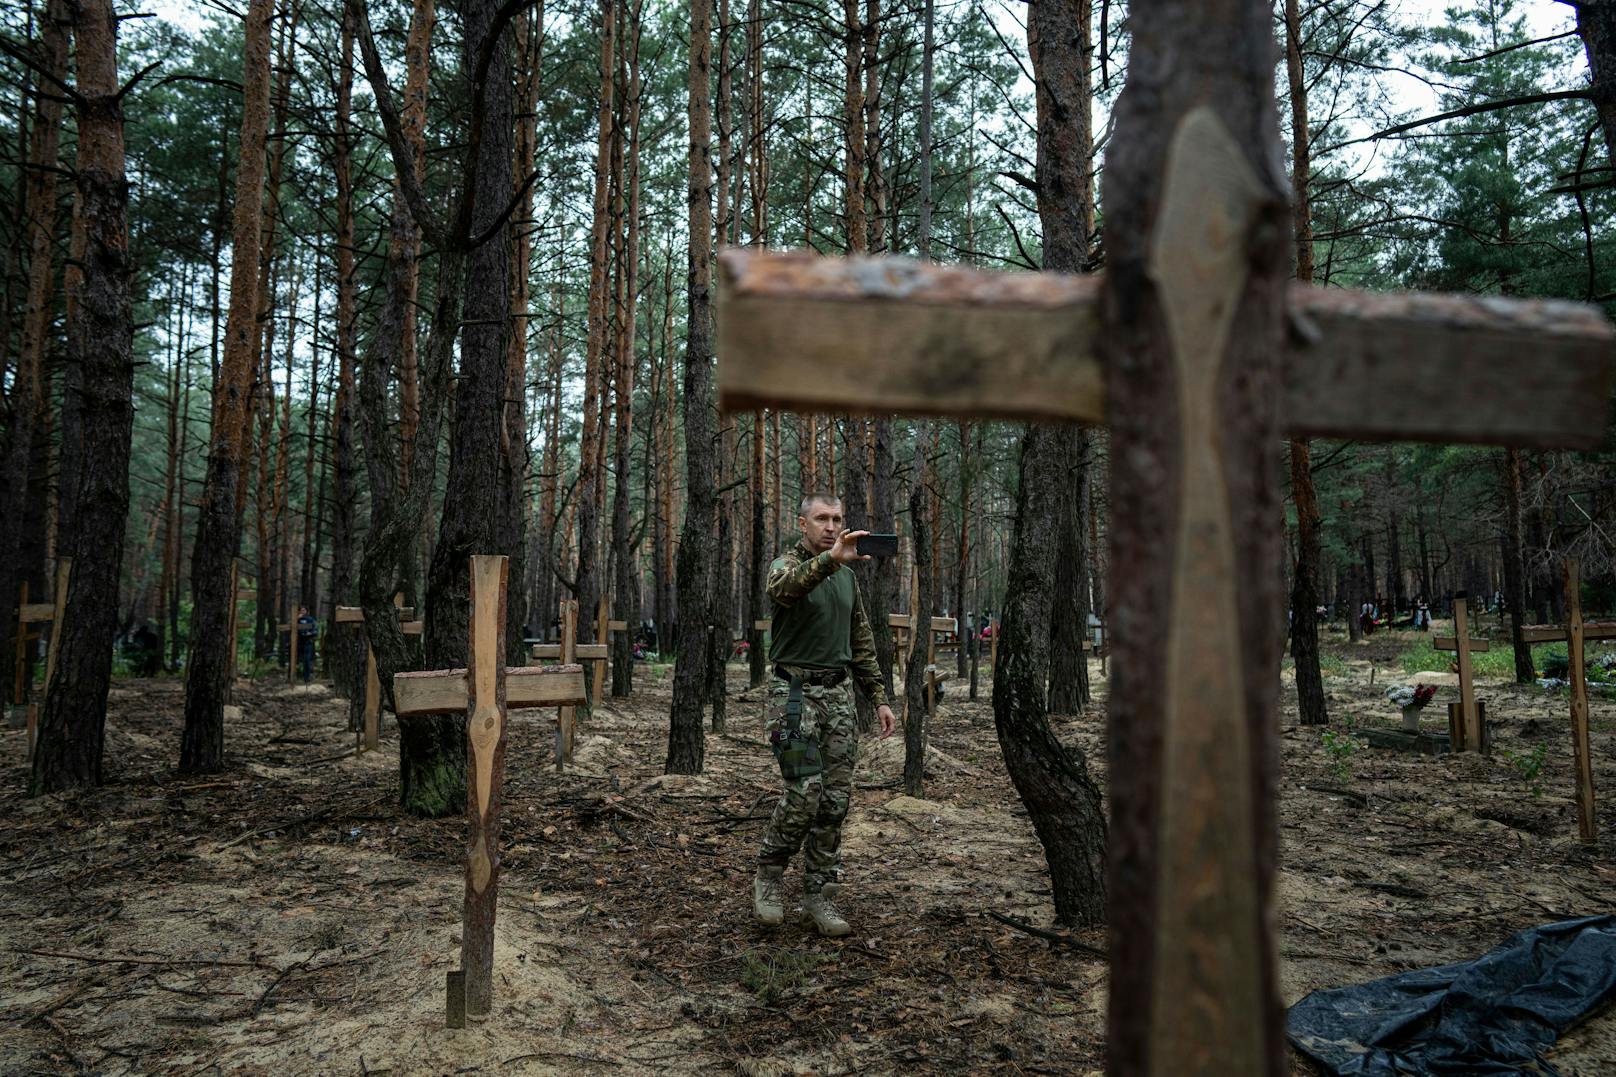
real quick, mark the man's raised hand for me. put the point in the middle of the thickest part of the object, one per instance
(846, 549)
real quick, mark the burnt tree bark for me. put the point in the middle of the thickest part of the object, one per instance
(1514, 570)
(219, 514)
(686, 744)
(1054, 784)
(916, 673)
(73, 724)
(1304, 630)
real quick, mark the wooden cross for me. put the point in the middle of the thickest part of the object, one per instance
(1191, 374)
(369, 738)
(1466, 732)
(240, 597)
(50, 613)
(604, 627)
(1574, 633)
(902, 623)
(570, 652)
(484, 692)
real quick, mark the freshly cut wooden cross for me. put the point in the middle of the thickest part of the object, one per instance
(484, 692)
(1574, 633)
(1191, 374)
(369, 737)
(1469, 732)
(568, 652)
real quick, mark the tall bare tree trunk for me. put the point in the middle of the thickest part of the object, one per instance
(345, 649)
(1514, 571)
(219, 516)
(595, 372)
(72, 726)
(1304, 590)
(626, 577)
(27, 398)
(686, 742)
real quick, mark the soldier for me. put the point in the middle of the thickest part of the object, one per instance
(820, 634)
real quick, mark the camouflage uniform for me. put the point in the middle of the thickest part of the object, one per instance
(811, 809)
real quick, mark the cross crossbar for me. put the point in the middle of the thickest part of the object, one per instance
(938, 624)
(885, 335)
(1561, 633)
(584, 652)
(37, 613)
(1448, 643)
(444, 691)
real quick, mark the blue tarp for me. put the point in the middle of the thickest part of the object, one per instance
(1493, 1015)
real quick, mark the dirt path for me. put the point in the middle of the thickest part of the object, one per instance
(282, 917)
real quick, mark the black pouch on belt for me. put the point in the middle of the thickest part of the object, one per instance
(797, 753)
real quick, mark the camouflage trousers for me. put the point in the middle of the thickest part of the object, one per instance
(810, 812)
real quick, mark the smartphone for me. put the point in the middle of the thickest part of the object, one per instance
(878, 545)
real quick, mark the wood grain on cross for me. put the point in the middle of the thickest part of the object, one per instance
(1205, 359)
(368, 738)
(484, 692)
(1574, 633)
(569, 652)
(1466, 734)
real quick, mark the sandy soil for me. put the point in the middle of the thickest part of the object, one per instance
(283, 917)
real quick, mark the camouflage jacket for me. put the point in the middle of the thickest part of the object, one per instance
(793, 575)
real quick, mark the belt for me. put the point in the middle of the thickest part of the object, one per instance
(825, 678)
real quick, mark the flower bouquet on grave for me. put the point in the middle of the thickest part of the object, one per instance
(1412, 700)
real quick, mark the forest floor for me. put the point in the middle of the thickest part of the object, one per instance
(282, 917)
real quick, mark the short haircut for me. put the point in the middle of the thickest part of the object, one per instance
(810, 500)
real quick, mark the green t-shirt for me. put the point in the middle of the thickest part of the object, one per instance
(816, 630)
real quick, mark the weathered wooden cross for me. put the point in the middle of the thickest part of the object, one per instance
(1574, 633)
(368, 738)
(902, 624)
(570, 652)
(604, 627)
(1205, 358)
(1467, 729)
(50, 613)
(484, 692)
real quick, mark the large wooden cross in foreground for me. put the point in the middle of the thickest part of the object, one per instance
(483, 692)
(1199, 356)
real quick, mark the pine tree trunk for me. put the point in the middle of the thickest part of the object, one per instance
(626, 567)
(219, 520)
(595, 373)
(1304, 630)
(344, 649)
(27, 397)
(1514, 574)
(72, 726)
(916, 673)
(686, 746)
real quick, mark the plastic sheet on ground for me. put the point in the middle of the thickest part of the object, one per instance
(1493, 1015)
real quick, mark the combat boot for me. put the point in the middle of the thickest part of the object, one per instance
(818, 910)
(766, 894)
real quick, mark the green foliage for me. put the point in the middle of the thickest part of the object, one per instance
(1528, 767)
(1499, 662)
(1340, 748)
(773, 973)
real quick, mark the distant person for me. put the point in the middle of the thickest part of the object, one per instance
(145, 652)
(1422, 615)
(308, 628)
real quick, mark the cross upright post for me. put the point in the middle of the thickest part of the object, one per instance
(1467, 732)
(55, 618)
(1199, 355)
(368, 737)
(1575, 633)
(484, 691)
(568, 652)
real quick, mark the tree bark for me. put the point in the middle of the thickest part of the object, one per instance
(219, 517)
(344, 649)
(1304, 629)
(916, 717)
(626, 567)
(595, 374)
(1514, 573)
(1596, 26)
(686, 746)
(27, 398)
(73, 723)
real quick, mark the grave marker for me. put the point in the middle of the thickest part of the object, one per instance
(902, 623)
(1197, 310)
(484, 691)
(368, 738)
(51, 614)
(1467, 724)
(1574, 633)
